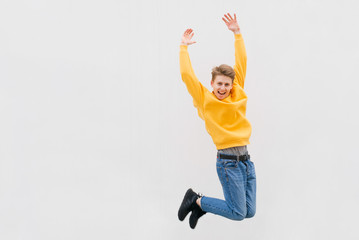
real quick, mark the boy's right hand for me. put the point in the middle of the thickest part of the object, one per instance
(187, 36)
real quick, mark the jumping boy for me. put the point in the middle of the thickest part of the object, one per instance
(224, 113)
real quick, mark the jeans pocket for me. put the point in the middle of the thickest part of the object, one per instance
(230, 164)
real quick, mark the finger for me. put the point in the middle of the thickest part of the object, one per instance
(225, 20)
(230, 16)
(235, 17)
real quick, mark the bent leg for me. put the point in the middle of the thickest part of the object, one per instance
(232, 175)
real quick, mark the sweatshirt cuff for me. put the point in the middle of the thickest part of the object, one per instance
(238, 36)
(183, 47)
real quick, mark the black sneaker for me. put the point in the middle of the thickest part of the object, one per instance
(188, 203)
(197, 212)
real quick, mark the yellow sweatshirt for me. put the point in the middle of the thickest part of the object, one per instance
(225, 119)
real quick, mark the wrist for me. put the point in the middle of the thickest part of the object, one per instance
(237, 30)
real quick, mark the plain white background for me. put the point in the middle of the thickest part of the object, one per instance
(99, 138)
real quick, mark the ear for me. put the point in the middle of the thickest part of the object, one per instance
(212, 83)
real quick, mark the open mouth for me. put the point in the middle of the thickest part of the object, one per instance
(222, 93)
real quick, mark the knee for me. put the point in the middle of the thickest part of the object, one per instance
(250, 213)
(238, 216)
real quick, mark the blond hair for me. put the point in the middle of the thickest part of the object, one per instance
(223, 69)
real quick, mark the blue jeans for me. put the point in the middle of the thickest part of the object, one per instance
(238, 179)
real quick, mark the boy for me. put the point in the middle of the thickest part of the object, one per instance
(224, 113)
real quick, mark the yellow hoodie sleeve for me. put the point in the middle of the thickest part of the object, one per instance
(194, 86)
(240, 60)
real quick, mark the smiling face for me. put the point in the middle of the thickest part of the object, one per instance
(222, 86)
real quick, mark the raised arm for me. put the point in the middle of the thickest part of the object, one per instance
(240, 50)
(194, 86)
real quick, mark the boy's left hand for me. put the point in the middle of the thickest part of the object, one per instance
(231, 23)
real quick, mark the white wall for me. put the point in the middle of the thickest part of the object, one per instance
(99, 138)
